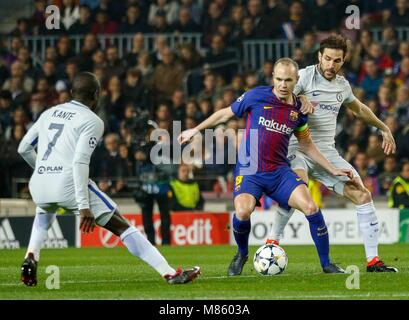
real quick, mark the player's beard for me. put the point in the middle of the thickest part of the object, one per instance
(322, 71)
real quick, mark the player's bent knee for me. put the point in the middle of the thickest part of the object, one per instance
(243, 213)
(310, 208)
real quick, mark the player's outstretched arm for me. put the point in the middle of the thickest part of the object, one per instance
(308, 147)
(363, 112)
(220, 116)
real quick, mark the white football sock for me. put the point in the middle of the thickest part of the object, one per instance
(140, 247)
(369, 227)
(42, 222)
(281, 218)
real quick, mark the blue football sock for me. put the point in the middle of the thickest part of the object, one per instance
(241, 231)
(319, 234)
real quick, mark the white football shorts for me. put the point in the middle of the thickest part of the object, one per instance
(299, 160)
(101, 206)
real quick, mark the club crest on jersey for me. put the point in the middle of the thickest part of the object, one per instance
(293, 115)
(339, 97)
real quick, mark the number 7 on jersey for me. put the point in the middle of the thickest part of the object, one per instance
(53, 126)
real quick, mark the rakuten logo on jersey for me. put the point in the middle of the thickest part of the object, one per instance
(274, 126)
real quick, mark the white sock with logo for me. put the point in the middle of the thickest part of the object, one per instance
(281, 218)
(369, 227)
(140, 247)
(42, 222)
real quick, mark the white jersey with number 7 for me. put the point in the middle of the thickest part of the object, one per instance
(63, 134)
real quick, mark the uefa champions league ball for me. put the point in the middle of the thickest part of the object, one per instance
(270, 259)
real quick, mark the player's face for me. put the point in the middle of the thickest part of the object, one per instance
(330, 62)
(285, 78)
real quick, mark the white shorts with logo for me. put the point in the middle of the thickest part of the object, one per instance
(101, 206)
(299, 160)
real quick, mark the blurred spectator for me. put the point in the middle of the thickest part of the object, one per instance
(109, 166)
(400, 13)
(22, 28)
(385, 99)
(83, 25)
(402, 105)
(85, 56)
(218, 53)
(361, 49)
(265, 75)
(103, 25)
(6, 114)
(390, 42)
(17, 71)
(403, 76)
(189, 57)
(38, 17)
(319, 14)
(114, 9)
(210, 90)
(160, 44)
(372, 81)
(265, 25)
(206, 108)
(185, 22)
(298, 22)
(114, 66)
(210, 22)
(167, 9)
(399, 190)
(185, 192)
(390, 172)
(64, 50)
(178, 105)
(145, 65)
(361, 165)
(131, 58)
(402, 144)
(195, 9)
(16, 166)
(134, 21)
(135, 91)
(167, 76)
(113, 102)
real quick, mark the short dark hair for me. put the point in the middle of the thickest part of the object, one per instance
(334, 42)
(84, 86)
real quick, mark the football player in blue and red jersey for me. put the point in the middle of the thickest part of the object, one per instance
(273, 115)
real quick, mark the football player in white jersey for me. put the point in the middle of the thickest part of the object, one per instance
(328, 91)
(65, 137)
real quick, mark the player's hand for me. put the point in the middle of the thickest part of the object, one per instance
(186, 135)
(87, 224)
(388, 143)
(343, 173)
(306, 105)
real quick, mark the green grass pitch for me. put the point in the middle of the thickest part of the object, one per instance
(98, 273)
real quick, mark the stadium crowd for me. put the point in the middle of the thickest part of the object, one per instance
(145, 85)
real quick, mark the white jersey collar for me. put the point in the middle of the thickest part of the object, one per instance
(77, 103)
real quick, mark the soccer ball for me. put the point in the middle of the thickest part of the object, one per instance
(270, 259)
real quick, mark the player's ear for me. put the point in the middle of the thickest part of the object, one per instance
(319, 56)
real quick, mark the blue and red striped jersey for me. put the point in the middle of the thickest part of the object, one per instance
(272, 122)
